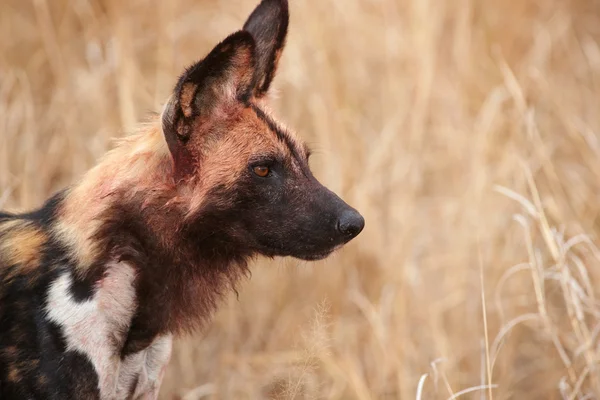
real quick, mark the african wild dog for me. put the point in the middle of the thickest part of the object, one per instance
(95, 283)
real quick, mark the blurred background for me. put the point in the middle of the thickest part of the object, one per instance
(467, 133)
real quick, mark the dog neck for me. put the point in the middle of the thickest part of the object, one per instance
(130, 210)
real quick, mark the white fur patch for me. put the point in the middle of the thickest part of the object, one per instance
(152, 368)
(91, 328)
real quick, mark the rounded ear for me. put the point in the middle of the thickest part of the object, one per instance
(268, 25)
(225, 74)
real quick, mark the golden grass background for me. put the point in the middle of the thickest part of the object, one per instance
(467, 133)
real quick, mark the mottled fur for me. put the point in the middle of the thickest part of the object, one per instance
(94, 284)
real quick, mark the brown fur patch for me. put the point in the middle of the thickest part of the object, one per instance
(140, 162)
(10, 352)
(18, 370)
(42, 380)
(186, 98)
(20, 247)
(14, 374)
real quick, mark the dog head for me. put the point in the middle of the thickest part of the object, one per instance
(247, 175)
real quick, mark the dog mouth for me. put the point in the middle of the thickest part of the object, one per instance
(316, 256)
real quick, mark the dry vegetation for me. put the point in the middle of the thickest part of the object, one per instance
(468, 134)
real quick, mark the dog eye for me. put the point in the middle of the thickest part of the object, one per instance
(261, 171)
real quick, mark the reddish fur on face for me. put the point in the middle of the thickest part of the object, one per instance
(141, 165)
(227, 142)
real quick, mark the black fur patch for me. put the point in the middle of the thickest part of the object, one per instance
(34, 361)
(215, 69)
(5, 216)
(46, 215)
(84, 288)
(177, 287)
(268, 24)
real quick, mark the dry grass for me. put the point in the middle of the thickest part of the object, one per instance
(467, 132)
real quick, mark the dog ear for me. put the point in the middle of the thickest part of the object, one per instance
(268, 25)
(226, 74)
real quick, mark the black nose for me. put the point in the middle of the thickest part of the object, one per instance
(351, 223)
